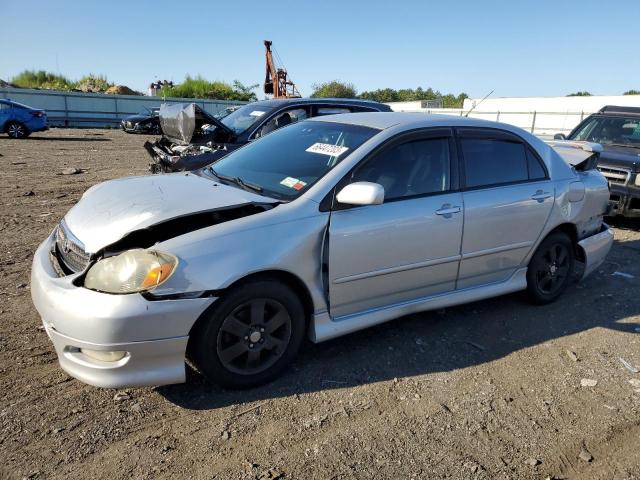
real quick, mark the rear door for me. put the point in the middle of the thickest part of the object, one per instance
(5, 113)
(507, 200)
(409, 246)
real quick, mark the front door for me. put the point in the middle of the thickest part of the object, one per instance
(408, 247)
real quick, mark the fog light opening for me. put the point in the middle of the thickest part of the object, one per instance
(103, 355)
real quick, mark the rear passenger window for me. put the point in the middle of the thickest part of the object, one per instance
(331, 111)
(493, 162)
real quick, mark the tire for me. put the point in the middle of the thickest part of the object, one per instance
(550, 269)
(237, 345)
(17, 130)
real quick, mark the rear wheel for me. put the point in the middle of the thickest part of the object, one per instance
(550, 268)
(251, 336)
(17, 130)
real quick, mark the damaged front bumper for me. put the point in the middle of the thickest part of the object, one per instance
(595, 248)
(163, 162)
(147, 338)
(624, 200)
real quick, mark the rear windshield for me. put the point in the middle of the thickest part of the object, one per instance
(285, 163)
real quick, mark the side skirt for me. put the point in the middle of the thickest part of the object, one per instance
(326, 328)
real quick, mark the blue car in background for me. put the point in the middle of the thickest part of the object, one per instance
(19, 121)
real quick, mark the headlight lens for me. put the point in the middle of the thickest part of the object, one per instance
(132, 271)
(638, 179)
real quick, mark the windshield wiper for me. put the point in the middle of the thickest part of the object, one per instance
(238, 181)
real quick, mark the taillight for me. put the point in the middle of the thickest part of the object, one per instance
(37, 114)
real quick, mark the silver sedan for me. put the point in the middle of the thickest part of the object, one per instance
(322, 228)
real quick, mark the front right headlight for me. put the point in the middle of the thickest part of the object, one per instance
(132, 271)
(637, 182)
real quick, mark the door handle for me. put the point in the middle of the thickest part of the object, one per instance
(540, 196)
(447, 210)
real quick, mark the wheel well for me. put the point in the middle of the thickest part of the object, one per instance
(571, 231)
(287, 278)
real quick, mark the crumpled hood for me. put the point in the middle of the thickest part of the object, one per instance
(110, 210)
(626, 157)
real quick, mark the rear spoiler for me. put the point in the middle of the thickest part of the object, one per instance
(580, 155)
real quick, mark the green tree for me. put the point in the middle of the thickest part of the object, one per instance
(449, 100)
(632, 92)
(334, 89)
(580, 94)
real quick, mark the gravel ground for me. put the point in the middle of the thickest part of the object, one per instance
(495, 389)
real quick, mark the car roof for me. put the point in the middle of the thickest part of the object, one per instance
(326, 101)
(619, 110)
(384, 120)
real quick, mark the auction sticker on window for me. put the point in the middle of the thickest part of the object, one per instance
(327, 149)
(293, 183)
(257, 113)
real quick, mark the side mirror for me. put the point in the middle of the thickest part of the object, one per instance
(559, 136)
(361, 193)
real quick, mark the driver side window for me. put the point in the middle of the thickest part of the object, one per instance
(418, 167)
(282, 120)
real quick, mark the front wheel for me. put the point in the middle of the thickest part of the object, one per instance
(550, 269)
(250, 337)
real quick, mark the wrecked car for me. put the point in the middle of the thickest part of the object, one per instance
(193, 138)
(617, 129)
(146, 121)
(319, 229)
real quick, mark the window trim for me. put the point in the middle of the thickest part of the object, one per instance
(488, 133)
(329, 203)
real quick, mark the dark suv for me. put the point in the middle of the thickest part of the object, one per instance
(617, 129)
(193, 138)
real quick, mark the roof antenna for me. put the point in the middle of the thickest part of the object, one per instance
(483, 99)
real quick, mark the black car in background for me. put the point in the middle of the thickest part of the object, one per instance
(147, 121)
(193, 138)
(617, 129)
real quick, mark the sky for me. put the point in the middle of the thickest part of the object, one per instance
(517, 48)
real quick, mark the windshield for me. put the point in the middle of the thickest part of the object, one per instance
(152, 112)
(287, 162)
(245, 116)
(610, 131)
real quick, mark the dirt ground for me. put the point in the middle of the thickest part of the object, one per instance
(492, 389)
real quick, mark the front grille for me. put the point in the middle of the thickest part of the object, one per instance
(616, 175)
(69, 250)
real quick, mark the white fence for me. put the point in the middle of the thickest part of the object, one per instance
(76, 109)
(543, 124)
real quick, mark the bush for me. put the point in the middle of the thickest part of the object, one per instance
(199, 87)
(41, 79)
(92, 83)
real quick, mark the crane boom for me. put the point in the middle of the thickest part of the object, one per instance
(276, 82)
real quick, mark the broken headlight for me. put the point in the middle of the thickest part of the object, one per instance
(132, 271)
